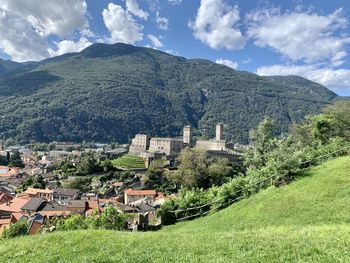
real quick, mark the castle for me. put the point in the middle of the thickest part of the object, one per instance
(145, 146)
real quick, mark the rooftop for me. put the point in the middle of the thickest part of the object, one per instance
(140, 192)
(33, 204)
(65, 191)
(14, 206)
(35, 191)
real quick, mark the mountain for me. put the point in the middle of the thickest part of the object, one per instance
(111, 92)
(306, 221)
(7, 66)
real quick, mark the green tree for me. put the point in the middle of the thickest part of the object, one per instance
(82, 183)
(3, 160)
(16, 160)
(263, 142)
(19, 228)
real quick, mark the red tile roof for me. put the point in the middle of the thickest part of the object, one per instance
(6, 171)
(15, 205)
(118, 184)
(140, 192)
(34, 191)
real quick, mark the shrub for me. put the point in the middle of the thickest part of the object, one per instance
(19, 228)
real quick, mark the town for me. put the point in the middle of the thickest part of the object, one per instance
(42, 182)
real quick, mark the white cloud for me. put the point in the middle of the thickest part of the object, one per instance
(247, 61)
(300, 36)
(162, 22)
(26, 25)
(155, 41)
(175, 2)
(68, 46)
(121, 25)
(216, 25)
(337, 80)
(228, 63)
(133, 7)
(173, 52)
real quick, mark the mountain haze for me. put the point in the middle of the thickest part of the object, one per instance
(111, 92)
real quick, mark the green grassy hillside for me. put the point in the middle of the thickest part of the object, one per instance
(307, 221)
(129, 162)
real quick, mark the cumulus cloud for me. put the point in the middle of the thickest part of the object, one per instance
(155, 41)
(227, 62)
(337, 80)
(216, 25)
(121, 25)
(300, 36)
(26, 25)
(162, 22)
(68, 46)
(133, 7)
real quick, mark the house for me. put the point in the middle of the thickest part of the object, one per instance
(132, 195)
(35, 224)
(52, 209)
(5, 198)
(14, 206)
(143, 207)
(7, 172)
(33, 205)
(89, 196)
(92, 206)
(6, 222)
(46, 194)
(7, 188)
(78, 207)
(64, 196)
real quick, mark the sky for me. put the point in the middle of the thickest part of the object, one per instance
(309, 38)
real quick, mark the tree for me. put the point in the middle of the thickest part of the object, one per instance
(340, 113)
(111, 219)
(3, 160)
(192, 170)
(82, 184)
(16, 160)
(263, 141)
(198, 170)
(19, 228)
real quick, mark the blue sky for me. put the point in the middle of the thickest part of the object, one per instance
(306, 38)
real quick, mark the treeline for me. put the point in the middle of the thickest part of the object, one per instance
(272, 160)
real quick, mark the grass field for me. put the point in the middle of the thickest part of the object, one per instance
(129, 162)
(307, 221)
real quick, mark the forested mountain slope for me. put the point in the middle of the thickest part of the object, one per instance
(111, 92)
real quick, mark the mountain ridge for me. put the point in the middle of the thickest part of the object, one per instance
(111, 92)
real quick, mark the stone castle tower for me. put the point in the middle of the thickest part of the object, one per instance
(219, 132)
(188, 135)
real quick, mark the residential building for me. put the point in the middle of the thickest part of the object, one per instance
(46, 194)
(6, 172)
(77, 207)
(52, 209)
(5, 198)
(132, 195)
(33, 205)
(63, 195)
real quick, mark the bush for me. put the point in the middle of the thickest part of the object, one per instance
(19, 228)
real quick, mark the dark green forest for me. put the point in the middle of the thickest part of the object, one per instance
(111, 92)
